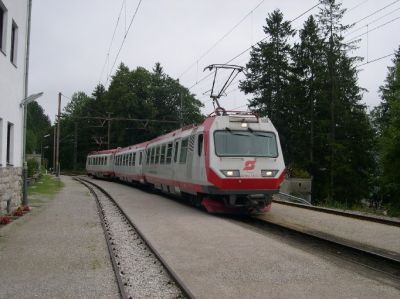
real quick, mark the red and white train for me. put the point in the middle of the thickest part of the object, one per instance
(231, 163)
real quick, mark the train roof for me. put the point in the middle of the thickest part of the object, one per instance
(103, 152)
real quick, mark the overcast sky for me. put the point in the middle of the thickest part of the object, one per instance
(70, 41)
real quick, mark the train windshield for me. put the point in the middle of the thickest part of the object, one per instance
(245, 144)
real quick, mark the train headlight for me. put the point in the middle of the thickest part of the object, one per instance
(243, 125)
(269, 173)
(231, 173)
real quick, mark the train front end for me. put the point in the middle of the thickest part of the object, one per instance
(244, 163)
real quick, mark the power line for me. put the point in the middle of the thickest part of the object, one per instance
(221, 39)
(357, 5)
(375, 12)
(373, 29)
(123, 41)
(241, 53)
(112, 40)
(376, 59)
(374, 21)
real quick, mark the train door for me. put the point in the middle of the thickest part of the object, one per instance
(198, 158)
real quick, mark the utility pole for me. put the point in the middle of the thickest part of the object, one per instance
(76, 145)
(54, 148)
(58, 137)
(181, 111)
(109, 130)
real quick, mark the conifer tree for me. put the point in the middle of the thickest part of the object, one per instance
(268, 74)
(387, 123)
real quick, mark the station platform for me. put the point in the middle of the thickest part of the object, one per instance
(57, 250)
(371, 236)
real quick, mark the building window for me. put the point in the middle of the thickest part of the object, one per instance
(10, 143)
(3, 23)
(14, 43)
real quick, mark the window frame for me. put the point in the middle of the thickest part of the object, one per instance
(270, 132)
(14, 43)
(186, 140)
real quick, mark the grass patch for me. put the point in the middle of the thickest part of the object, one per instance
(47, 185)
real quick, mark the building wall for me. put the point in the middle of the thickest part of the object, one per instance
(12, 92)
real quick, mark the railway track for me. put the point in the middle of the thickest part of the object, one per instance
(139, 269)
(335, 256)
(372, 259)
(356, 215)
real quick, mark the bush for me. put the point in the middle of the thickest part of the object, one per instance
(5, 220)
(33, 167)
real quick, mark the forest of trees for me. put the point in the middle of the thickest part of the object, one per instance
(138, 105)
(308, 88)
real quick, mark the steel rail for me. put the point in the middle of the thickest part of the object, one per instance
(387, 221)
(120, 284)
(184, 288)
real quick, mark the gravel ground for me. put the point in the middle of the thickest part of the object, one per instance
(142, 273)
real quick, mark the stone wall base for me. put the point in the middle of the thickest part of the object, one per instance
(10, 188)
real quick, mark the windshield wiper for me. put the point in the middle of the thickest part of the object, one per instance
(235, 133)
(258, 134)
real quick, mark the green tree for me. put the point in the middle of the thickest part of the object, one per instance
(387, 124)
(37, 126)
(305, 89)
(346, 159)
(133, 94)
(268, 73)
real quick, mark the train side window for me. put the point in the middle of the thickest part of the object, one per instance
(184, 146)
(157, 155)
(140, 157)
(148, 157)
(199, 144)
(133, 159)
(153, 155)
(176, 151)
(162, 154)
(169, 153)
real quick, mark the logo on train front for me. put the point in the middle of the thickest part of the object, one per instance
(249, 165)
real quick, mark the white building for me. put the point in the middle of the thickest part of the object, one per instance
(13, 69)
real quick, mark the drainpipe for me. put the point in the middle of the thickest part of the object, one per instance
(25, 166)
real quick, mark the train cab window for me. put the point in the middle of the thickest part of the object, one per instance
(176, 151)
(199, 144)
(140, 158)
(169, 153)
(184, 146)
(162, 154)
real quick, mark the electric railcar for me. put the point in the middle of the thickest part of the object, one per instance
(231, 163)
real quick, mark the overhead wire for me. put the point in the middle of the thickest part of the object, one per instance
(376, 59)
(111, 42)
(372, 22)
(123, 40)
(376, 11)
(373, 29)
(221, 39)
(247, 49)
